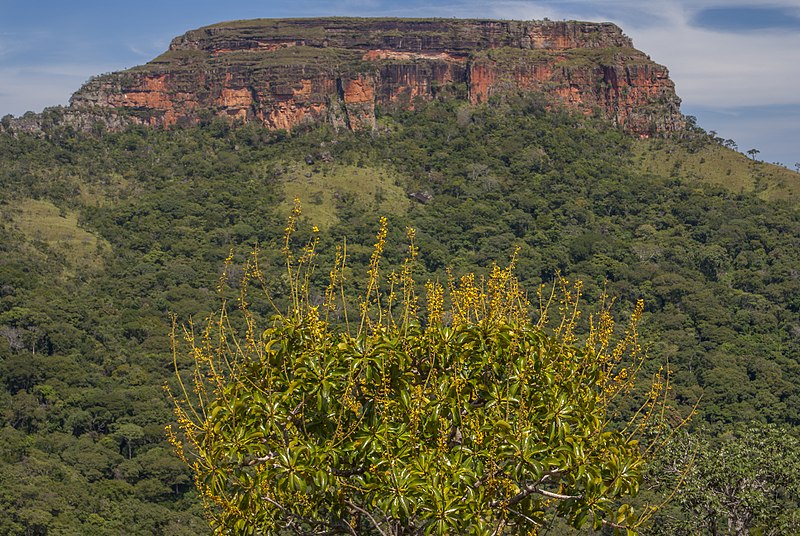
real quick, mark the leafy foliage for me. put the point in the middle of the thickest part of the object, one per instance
(745, 481)
(477, 422)
(84, 325)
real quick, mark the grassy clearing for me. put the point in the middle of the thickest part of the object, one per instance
(720, 166)
(113, 188)
(42, 221)
(325, 188)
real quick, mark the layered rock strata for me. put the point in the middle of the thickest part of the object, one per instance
(287, 72)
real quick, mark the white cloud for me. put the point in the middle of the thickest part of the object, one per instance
(149, 50)
(11, 44)
(710, 68)
(19, 95)
(136, 50)
(725, 70)
(362, 3)
(772, 130)
(33, 89)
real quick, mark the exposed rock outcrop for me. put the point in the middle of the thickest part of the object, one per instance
(286, 72)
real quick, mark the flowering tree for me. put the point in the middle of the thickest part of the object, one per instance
(465, 418)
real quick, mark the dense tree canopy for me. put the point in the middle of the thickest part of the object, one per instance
(102, 236)
(745, 481)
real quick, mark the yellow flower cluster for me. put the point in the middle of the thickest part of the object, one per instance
(467, 300)
(374, 353)
(373, 281)
(435, 302)
(291, 226)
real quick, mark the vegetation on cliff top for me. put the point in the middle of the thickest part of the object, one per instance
(316, 27)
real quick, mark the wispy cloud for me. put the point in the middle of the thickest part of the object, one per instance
(148, 50)
(744, 19)
(774, 130)
(36, 87)
(16, 43)
(711, 66)
(727, 69)
(20, 94)
(362, 3)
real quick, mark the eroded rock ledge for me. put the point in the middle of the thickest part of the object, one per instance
(285, 72)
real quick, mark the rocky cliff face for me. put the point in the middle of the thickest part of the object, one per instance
(283, 73)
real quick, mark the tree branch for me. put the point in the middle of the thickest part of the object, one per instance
(349, 472)
(291, 517)
(523, 516)
(262, 459)
(557, 495)
(528, 489)
(614, 525)
(357, 508)
(500, 526)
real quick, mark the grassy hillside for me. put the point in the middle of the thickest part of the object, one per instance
(323, 186)
(714, 164)
(42, 222)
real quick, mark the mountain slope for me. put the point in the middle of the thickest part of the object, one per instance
(706, 160)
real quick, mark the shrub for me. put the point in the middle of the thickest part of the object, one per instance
(461, 417)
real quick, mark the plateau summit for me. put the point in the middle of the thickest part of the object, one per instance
(287, 72)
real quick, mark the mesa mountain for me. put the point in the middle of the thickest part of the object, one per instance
(287, 72)
(553, 140)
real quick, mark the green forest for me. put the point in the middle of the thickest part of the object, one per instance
(106, 236)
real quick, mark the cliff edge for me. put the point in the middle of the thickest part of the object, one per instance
(286, 72)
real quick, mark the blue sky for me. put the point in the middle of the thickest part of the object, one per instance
(736, 63)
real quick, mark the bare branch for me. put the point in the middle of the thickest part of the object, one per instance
(499, 529)
(350, 530)
(292, 516)
(529, 489)
(614, 525)
(357, 508)
(557, 495)
(263, 459)
(523, 516)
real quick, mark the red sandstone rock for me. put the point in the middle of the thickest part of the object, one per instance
(286, 72)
